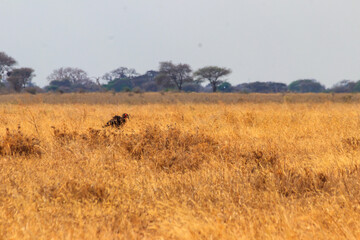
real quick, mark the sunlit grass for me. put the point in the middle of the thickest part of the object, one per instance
(180, 171)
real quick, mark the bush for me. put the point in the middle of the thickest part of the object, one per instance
(33, 90)
(306, 85)
(15, 143)
(126, 89)
(137, 90)
(225, 87)
(119, 85)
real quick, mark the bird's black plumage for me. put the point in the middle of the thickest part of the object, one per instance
(117, 121)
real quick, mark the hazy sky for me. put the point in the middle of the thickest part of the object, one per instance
(260, 40)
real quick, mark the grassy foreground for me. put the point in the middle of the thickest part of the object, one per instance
(180, 171)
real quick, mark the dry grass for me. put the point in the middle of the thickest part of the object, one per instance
(180, 171)
(176, 98)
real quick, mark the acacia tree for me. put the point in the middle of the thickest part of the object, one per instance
(73, 75)
(20, 78)
(171, 74)
(6, 63)
(213, 74)
(120, 72)
(71, 79)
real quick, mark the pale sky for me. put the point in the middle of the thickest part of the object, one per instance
(260, 40)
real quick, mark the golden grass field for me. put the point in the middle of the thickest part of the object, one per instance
(222, 169)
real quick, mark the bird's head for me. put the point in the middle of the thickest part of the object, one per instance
(125, 115)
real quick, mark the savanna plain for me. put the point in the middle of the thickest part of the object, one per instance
(185, 166)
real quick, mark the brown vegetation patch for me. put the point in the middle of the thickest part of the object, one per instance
(262, 159)
(170, 148)
(16, 143)
(73, 190)
(63, 135)
(352, 142)
(266, 171)
(301, 183)
(91, 137)
(167, 149)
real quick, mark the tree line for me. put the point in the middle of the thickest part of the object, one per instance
(168, 77)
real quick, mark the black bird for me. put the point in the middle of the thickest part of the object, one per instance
(117, 121)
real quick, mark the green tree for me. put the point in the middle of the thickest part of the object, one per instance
(213, 74)
(59, 85)
(356, 87)
(306, 85)
(119, 85)
(262, 87)
(225, 87)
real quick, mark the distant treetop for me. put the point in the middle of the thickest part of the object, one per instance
(306, 85)
(174, 74)
(213, 74)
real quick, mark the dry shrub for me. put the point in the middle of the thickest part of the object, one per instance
(16, 143)
(63, 135)
(170, 148)
(249, 119)
(72, 190)
(262, 159)
(267, 172)
(167, 149)
(261, 167)
(349, 177)
(95, 137)
(292, 182)
(92, 137)
(298, 183)
(352, 142)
